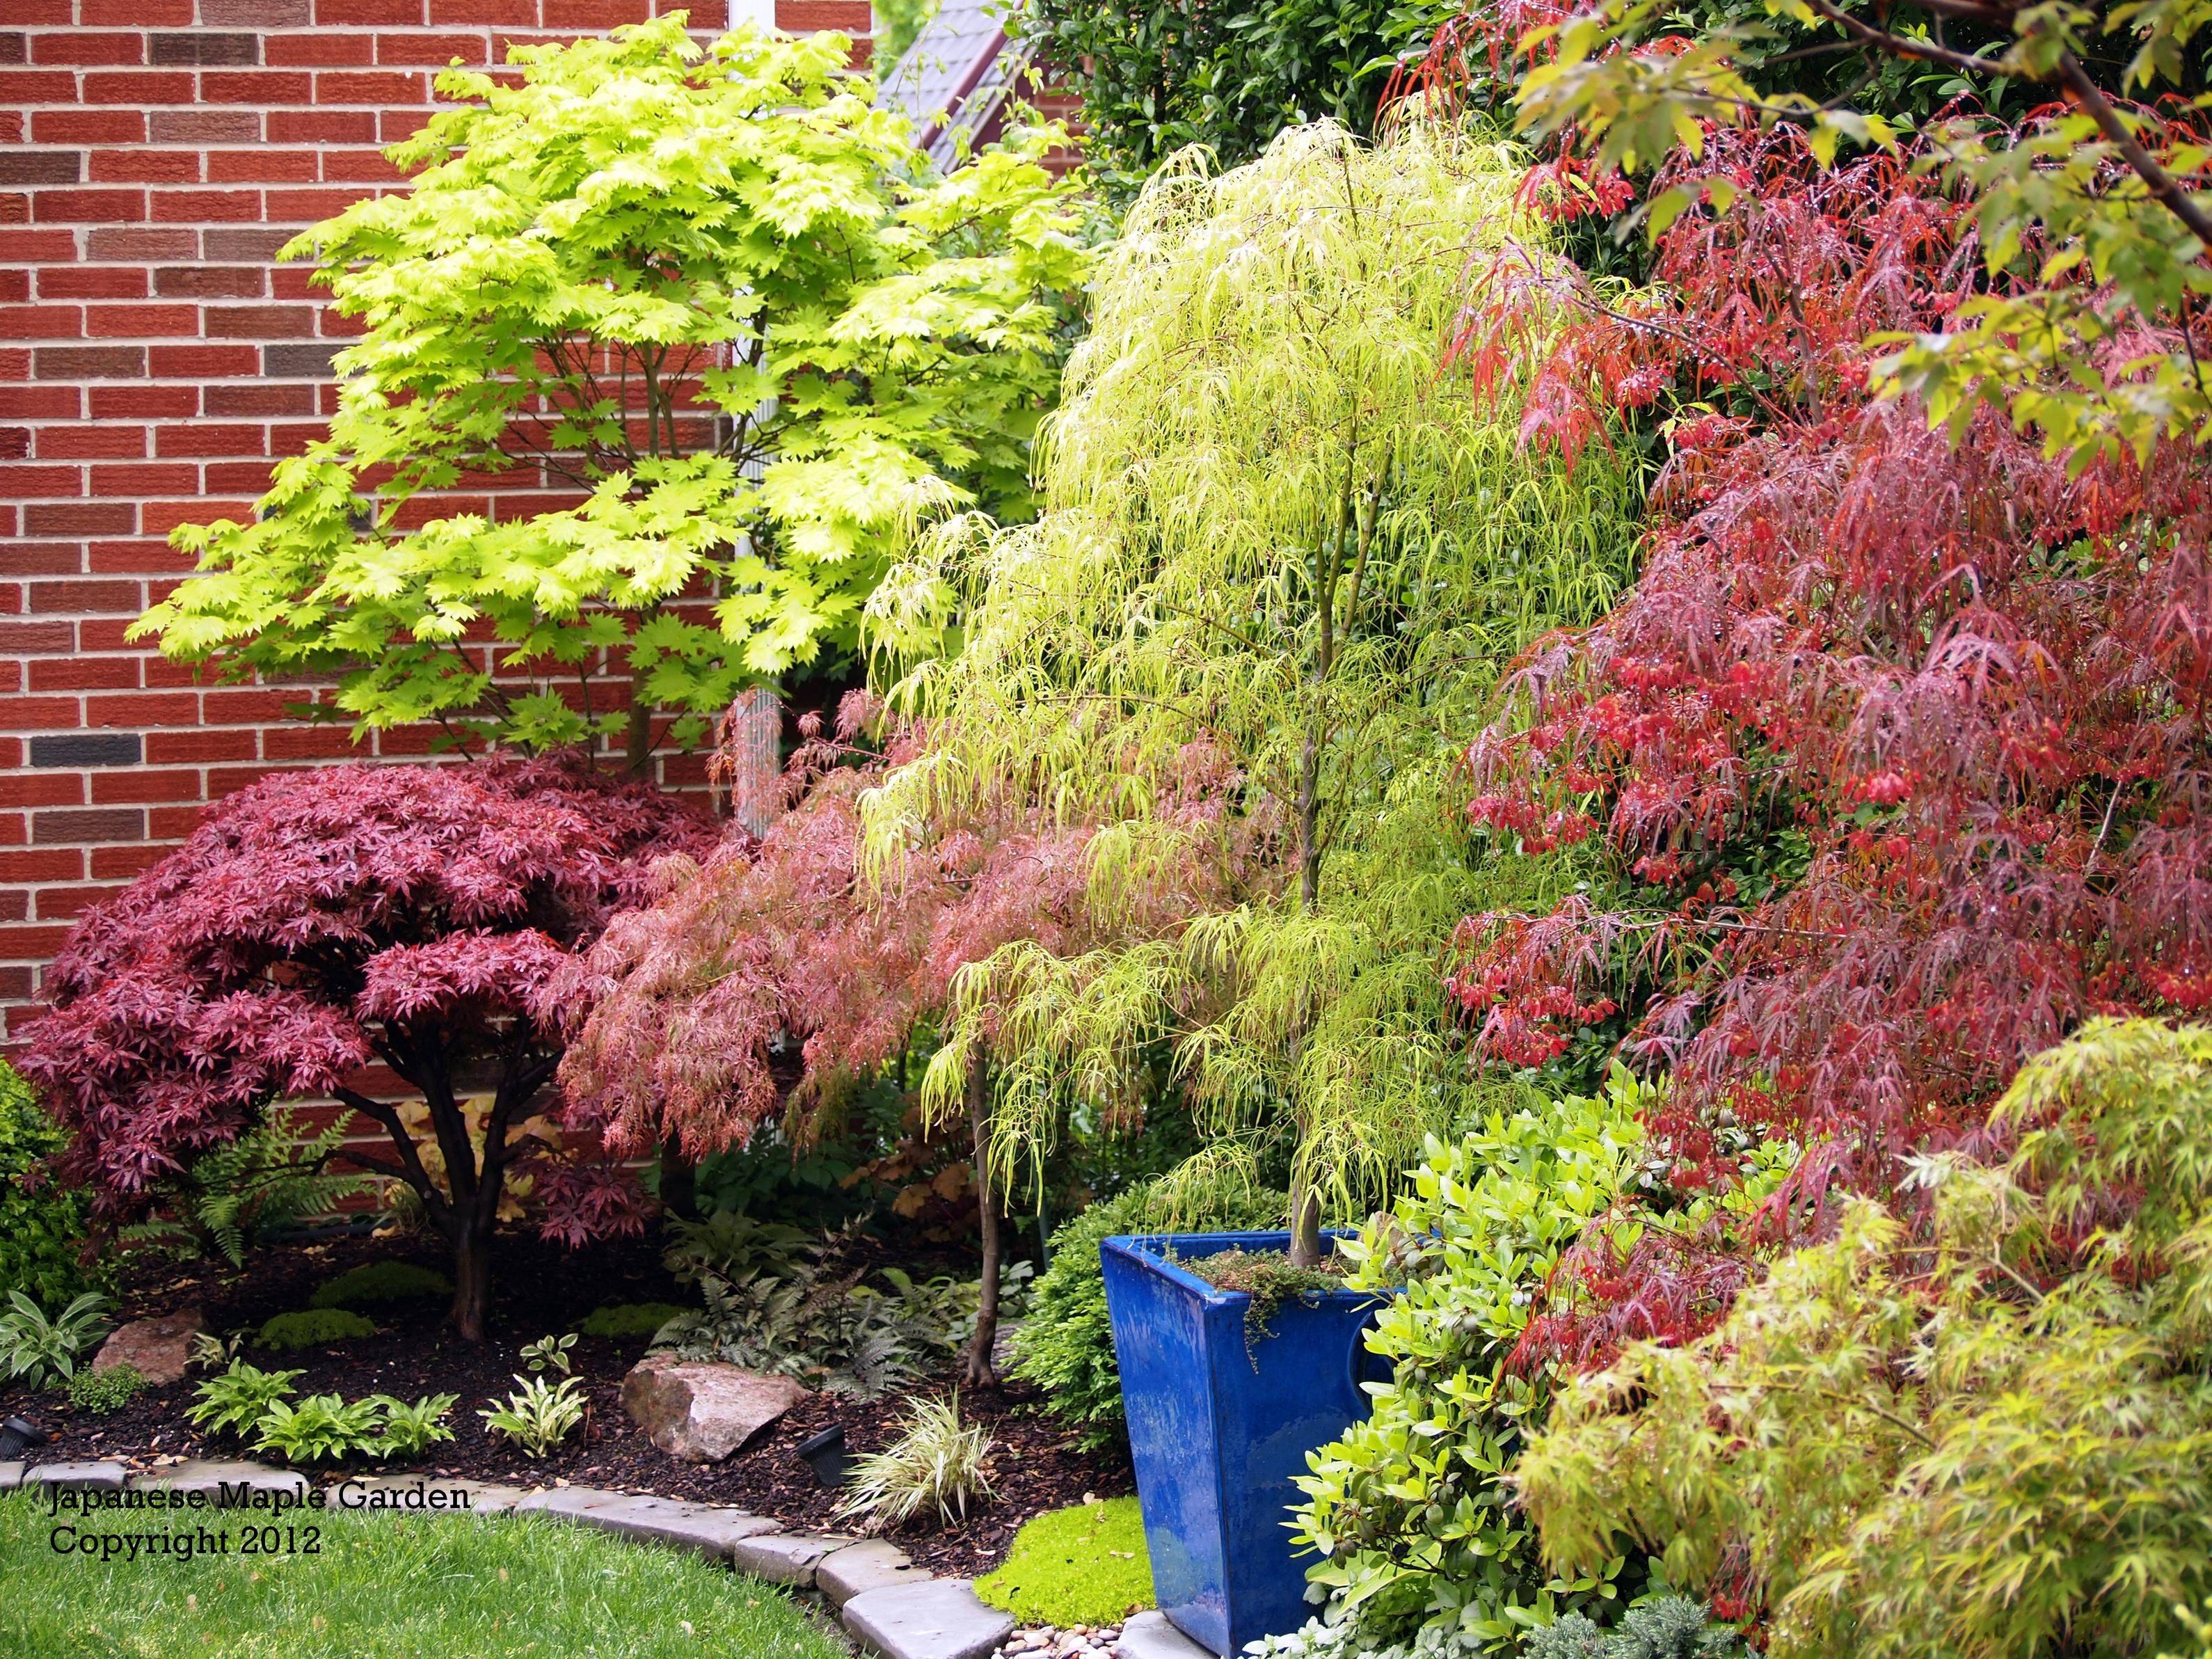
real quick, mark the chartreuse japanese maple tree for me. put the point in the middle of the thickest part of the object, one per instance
(713, 297)
(318, 925)
(1985, 1429)
(1277, 538)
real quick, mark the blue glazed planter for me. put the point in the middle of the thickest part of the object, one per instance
(1217, 1433)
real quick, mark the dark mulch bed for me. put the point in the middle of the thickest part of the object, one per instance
(540, 1289)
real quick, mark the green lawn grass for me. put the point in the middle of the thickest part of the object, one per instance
(407, 1586)
(1084, 1565)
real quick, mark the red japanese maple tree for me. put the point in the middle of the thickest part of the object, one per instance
(1895, 758)
(318, 925)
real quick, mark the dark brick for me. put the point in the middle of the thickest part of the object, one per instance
(89, 363)
(87, 749)
(298, 361)
(41, 167)
(209, 283)
(259, 14)
(199, 47)
(62, 825)
(205, 126)
(242, 247)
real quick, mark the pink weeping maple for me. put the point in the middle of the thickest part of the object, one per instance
(1898, 750)
(321, 924)
(683, 1019)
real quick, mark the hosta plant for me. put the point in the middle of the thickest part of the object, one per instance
(42, 1350)
(319, 1428)
(234, 1401)
(538, 1415)
(410, 1428)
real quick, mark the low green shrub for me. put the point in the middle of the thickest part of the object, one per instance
(1412, 1510)
(628, 1319)
(1065, 1344)
(377, 1282)
(104, 1393)
(234, 1401)
(42, 1224)
(1084, 1566)
(1667, 1627)
(311, 1328)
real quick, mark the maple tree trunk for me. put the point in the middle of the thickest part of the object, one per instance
(679, 1186)
(981, 1373)
(639, 754)
(472, 1279)
(1306, 1227)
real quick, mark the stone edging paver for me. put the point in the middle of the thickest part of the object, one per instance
(889, 1606)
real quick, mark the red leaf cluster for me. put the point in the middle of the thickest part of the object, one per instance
(319, 923)
(1900, 748)
(683, 1018)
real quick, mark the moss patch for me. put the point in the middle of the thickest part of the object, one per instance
(381, 1281)
(311, 1328)
(1084, 1565)
(628, 1319)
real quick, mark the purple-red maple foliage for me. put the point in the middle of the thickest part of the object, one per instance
(319, 925)
(1897, 752)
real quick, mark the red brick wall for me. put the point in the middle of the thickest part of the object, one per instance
(154, 156)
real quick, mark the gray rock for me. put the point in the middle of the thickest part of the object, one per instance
(101, 1476)
(158, 1349)
(707, 1528)
(783, 1558)
(1149, 1636)
(859, 1568)
(940, 1619)
(11, 1474)
(700, 1411)
(565, 1503)
(214, 1474)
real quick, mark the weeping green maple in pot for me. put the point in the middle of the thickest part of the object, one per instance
(1275, 532)
(714, 300)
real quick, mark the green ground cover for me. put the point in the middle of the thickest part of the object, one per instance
(402, 1586)
(1084, 1566)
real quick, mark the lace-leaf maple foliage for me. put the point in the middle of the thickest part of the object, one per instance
(1273, 531)
(321, 924)
(1986, 1430)
(1897, 752)
(679, 1016)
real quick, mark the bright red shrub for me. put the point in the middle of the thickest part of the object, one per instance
(320, 924)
